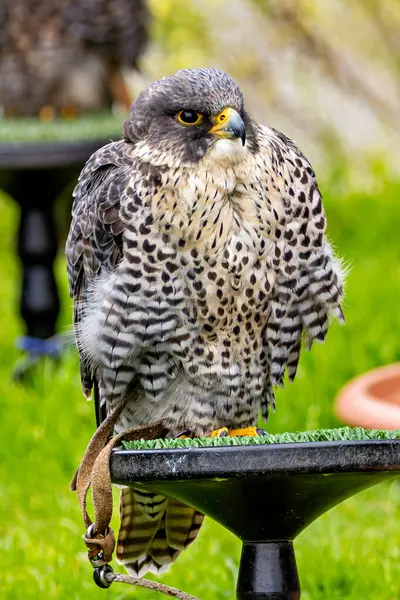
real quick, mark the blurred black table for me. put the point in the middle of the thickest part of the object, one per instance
(35, 174)
(264, 494)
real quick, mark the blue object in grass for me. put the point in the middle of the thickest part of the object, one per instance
(38, 347)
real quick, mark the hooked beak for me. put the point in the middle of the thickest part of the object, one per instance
(229, 124)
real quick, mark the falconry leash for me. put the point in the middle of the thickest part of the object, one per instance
(94, 471)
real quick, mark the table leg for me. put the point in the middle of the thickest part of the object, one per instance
(268, 571)
(37, 249)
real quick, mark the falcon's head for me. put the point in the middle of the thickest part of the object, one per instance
(192, 114)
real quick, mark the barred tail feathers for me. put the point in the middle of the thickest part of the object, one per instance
(154, 531)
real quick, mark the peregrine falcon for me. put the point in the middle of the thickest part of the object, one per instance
(199, 266)
(66, 56)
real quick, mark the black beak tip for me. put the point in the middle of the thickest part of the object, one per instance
(239, 132)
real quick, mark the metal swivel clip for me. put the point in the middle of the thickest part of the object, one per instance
(101, 568)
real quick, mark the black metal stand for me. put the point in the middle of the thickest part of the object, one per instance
(265, 494)
(35, 192)
(35, 175)
(268, 572)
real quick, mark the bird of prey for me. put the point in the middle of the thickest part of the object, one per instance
(199, 266)
(66, 56)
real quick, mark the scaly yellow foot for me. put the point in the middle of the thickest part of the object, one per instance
(223, 432)
(250, 431)
(245, 431)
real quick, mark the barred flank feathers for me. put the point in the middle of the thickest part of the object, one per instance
(154, 530)
(302, 317)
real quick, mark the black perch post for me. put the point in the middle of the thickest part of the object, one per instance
(268, 570)
(264, 494)
(35, 174)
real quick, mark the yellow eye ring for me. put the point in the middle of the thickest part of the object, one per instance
(189, 117)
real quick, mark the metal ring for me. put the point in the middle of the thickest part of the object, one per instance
(99, 576)
(97, 560)
(90, 532)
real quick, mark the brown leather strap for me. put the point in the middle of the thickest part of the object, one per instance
(82, 479)
(101, 477)
(94, 471)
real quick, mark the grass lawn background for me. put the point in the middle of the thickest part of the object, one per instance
(350, 553)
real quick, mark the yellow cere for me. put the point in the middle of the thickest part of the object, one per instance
(221, 119)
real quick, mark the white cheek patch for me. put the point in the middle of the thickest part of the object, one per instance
(226, 151)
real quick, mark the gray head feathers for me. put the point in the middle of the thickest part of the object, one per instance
(153, 115)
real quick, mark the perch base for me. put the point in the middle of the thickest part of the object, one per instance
(268, 571)
(264, 494)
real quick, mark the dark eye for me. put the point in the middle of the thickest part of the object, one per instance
(189, 117)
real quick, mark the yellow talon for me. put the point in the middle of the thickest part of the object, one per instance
(245, 431)
(220, 432)
(250, 431)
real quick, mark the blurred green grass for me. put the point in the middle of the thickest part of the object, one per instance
(350, 553)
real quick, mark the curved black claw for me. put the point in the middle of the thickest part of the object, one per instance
(260, 431)
(223, 433)
(185, 432)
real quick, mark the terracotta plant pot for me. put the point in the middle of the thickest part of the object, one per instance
(372, 400)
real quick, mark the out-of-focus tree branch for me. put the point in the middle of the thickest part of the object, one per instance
(290, 16)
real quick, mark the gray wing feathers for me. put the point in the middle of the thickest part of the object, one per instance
(308, 279)
(95, 237)
(94, 240)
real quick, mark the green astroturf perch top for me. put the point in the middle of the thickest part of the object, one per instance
(89, 127)
(319, 435)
